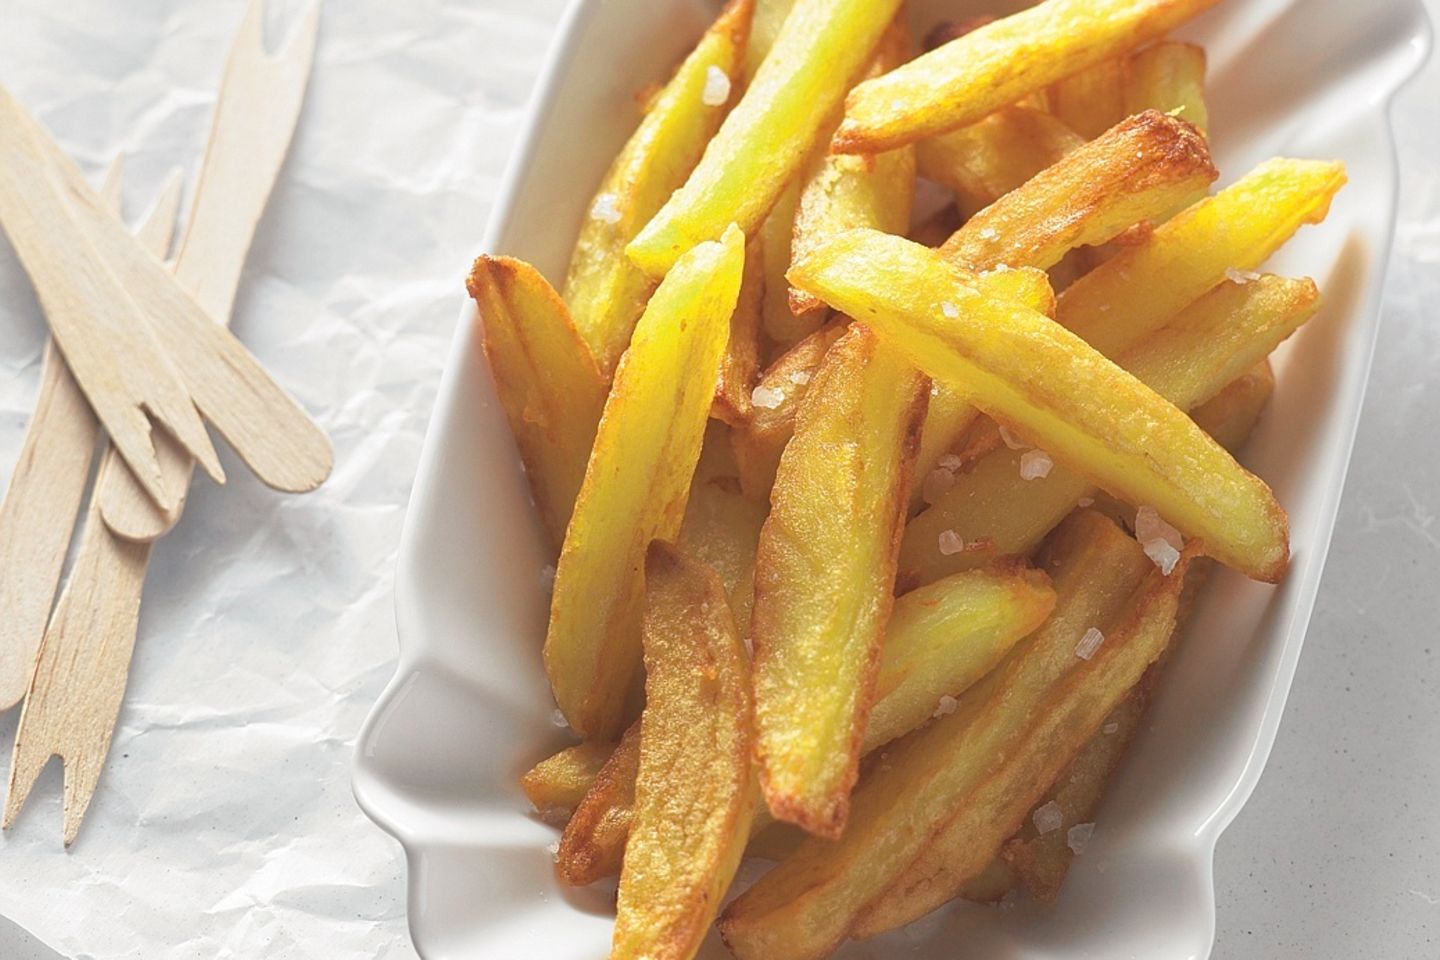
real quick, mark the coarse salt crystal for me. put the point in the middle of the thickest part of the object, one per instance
(1047, 818)
(554, 849)
(1162, 542)
(1085, 502)
(767, 397)
(717, 87)
(989, 233)
(547, 577)
(1010, 440)
(1112, 727)
(951, 461)
(606, 208)
(950, 543)
(949, 309)
(558, 718)
(1035, 465)
(1240, 276)
(936, 482)
(800, 377)
(947, 706)
(1089, 643)
(1164, 555)
(1077, 838)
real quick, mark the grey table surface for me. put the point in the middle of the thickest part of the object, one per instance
(1337, 853)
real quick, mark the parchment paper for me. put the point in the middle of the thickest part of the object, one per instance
(224, 825)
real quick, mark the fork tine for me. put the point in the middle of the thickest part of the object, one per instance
(159, 226)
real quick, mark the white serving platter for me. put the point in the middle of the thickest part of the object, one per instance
(468, 709)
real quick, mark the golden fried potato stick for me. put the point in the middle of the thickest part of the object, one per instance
(545, 377)
(825, 576)
(1170, 77)
(938, 643)
(769, 16)
(593, 844)
(775, 236)
(694, 795)
(840, 192)
(998, 64)
(992, 511)
(1029, 372)
(1073, 711)
(636, 484)
(605, 291)
(807, 905)
(556, 785)
(740, 370)
(1092, 100)
(721, 530)
(1231, 415)
(1138, 169)
(763, 142)
(985, 160)
(1144, 287)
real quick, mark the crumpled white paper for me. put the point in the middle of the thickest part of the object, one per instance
(224, 824)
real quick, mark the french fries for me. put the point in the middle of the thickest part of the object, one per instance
(776, 235)
(721, 530)
(605, 291)
(1092, 100)
(556, 785)
(694, 791)
(824, 576)
(1170, 77)
(810, 903)
(987, 159)
(998, 64)
(636, 484)
(593, 844)
(740, 369)
(1188, 362)
(764, 140)
(1024, 370)
(546, 379)
(769, 15)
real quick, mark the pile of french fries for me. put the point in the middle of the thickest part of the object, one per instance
(871, 546)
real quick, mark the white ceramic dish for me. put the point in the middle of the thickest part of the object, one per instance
(468, 709)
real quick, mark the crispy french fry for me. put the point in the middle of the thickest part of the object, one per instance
(995, 808)
(635, 485)
(1092, 100)
(1230, 416)
(694, 795)
(1188, 362)
(1031, 373)
(1170, 77)
(985, 160)
(765, 139)
(1145, 286)
(939, 642)
(998, 64)
(769, 16)
(824, 576)
(741, 368)
(721, 530)
(807, 905)
(775, 237)
(545, 377)
(593, 844)
(556, 785)
(1140, 168)
(841, 192)
(605, 291)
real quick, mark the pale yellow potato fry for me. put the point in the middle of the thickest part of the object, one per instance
(546, 379)
(998, 64)
(765, 27)
(994, 513)
(983, 161)
(765, 139)
(841, 192)
(605, 291)
(775, 236)
(1076, 707)
(1140, 168)
(741, 368)
(825, 576)
(1230, 416)
(636, 484)
(556, 785)
(1145, 286)
(1170, 77)
(808, 904)
(593, 844)
(1092, 100)
(1027, 371)
(694, 794)
(721, 530)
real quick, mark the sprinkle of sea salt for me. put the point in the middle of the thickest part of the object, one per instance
(1047, 818)
(606, 208)
(800, 377)
(950, 543)
(717, 87)
(935, 484)
(949, 309)
(1240, 276)
(1164, 555)
(1112, 727)
(947, 706)
(1089, 643)
(1162, 542)
(1077, 838)
(1012, 441)
(989, 233)
(1035, 465)
(950, 461)
(767, 397)
(558, 718)
(554, 849)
